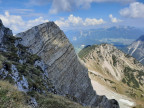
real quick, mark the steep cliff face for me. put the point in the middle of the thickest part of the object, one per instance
(65, 71)
(136, 49)
(116, 70)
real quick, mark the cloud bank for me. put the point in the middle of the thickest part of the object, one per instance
(73, 21)
(135, 10)
(17, 24)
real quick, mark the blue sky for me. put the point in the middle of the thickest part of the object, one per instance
(21, 15)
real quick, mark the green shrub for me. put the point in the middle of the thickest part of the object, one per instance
(32, 58)
(130, 78)
(11, 56)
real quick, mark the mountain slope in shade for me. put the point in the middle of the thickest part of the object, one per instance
(114, 72)
(136, 49)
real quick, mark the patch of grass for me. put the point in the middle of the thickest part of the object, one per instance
(56, 101)
(10, 97)
(2, 59)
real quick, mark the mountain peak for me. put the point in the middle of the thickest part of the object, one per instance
(64, 69)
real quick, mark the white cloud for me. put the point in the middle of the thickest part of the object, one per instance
(135, 10)
(114, 19)
(89, 22)
(74, 20)
(69, 5)
(82, 45)
(17, 24)
(78, 22)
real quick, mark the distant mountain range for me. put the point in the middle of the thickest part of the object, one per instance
(118, 36)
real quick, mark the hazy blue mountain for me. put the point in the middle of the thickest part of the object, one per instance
(136, 49)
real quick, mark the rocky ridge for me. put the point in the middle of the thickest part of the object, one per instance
(43, 56)
(136, 49)
(114, 69)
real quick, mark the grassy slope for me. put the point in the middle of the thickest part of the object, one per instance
(10, 97)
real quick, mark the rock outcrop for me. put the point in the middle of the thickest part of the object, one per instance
(4, 31)
(66, 72)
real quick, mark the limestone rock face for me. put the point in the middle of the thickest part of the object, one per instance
(64, 69)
